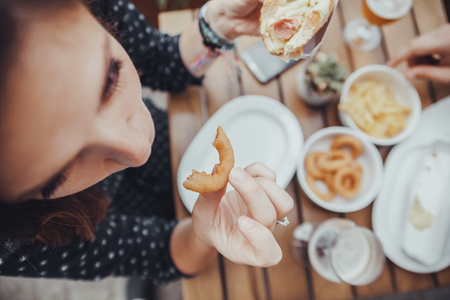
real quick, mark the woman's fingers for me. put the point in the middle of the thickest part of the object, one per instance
(280, 199)
(266, 200)
(266, 252)
(427, 44)
(258, 203)
(258, 169)
(402, 55)
(435, 73)
(266, 178)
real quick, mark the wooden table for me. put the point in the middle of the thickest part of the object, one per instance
(187, 112)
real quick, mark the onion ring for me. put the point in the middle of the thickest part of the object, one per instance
(347, 181)
(328, 179)
(348, 141)
(311, 164)
(334, 160)
(312, 185)
(208, 183)
(337, 169)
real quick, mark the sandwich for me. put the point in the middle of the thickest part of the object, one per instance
(286, 26)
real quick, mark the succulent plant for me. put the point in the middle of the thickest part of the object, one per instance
(325, 76)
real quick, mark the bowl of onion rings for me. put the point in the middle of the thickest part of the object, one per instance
(340, 170)
(379, 102)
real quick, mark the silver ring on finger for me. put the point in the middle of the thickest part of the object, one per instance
(284, 222)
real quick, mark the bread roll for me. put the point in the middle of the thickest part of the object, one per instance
(287, 25)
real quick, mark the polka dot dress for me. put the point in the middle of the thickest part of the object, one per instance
(133, 239)
(146, 190)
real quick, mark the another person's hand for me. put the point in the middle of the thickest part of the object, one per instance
(239, 223)
(428, 56)
(233, 18)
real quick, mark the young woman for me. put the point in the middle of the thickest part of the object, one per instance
(72, 120)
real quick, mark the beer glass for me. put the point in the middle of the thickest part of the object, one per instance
(364, 34)
(342, 252)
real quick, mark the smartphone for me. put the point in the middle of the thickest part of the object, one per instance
(262, 65)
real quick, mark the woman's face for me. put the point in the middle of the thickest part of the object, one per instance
(73, 112)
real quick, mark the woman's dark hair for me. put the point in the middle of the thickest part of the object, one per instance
(54, 221)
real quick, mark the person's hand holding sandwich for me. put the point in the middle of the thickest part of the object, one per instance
(285, 26)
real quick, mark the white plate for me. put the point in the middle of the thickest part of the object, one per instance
(390, 207)
(259, 128)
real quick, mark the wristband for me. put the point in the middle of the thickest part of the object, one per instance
(211, 38)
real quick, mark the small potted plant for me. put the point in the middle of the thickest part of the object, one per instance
(321, 80)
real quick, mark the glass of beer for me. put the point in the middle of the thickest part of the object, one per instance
(364, 34)
(343, 252)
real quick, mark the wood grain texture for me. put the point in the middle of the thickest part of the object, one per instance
(288, 279)
(185, 120)
(222, 84)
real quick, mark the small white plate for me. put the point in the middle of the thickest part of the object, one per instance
(370, 161)
(259, 128)
(391, 206)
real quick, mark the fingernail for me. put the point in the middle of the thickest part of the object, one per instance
(237, 175)
(245, 222)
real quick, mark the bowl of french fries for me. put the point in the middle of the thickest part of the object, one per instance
(381, 103)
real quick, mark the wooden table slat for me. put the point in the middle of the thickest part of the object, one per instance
(208, 284)
(288, 279)
(351, 9)
(221, 85)
(244, 282)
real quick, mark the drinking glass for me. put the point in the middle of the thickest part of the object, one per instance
(364, 33)
(340, 251)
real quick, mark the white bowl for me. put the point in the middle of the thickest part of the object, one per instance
(403, 90)
(370, 161)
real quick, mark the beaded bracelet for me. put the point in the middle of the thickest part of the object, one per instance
(211, 38)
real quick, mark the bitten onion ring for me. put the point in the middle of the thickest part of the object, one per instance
(208, 183)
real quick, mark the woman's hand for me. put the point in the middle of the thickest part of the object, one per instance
(239, 223)
(233, 18)
(434, 43)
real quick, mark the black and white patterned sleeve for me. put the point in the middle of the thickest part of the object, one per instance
(155, 54)
(123, 246)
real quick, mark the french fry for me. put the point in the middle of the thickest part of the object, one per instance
(374, 109)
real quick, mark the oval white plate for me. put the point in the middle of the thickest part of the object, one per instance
(259, 128)
(390, 207)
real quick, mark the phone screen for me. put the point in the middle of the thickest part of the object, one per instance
(264, 66)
